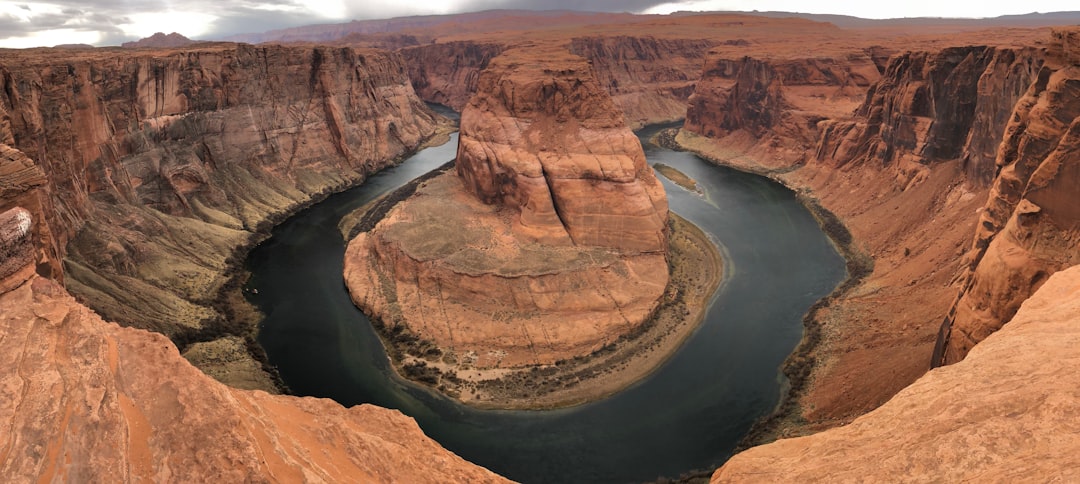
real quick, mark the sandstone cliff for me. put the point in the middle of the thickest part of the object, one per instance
(905, 171)
(89, 401)
(160, 164)
(1030, 225)
(649, 78)
(776, 103)
(447, 73)
(549, 244)
(1007, 412)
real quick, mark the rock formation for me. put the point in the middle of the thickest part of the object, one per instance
(159, 41)
(447, 73)
(549, 244)
(904, 170)
(776, 102)
(158, 165)
(649, 78)
(1008, 412)
(90, 401)
(1030, 225)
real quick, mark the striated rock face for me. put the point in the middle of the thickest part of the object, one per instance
(649, 78)
(549, 244)
(935, 106)
(543, 138)
(776, 102)
(1007, 411)
(905, 171)
(17, 257)
(447, 73)
(23, 184)
(160, 164)
(1030, 225)
(89, 401)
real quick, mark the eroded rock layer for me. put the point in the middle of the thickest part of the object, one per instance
(548, 243)
(776, 102)
(905, 171)
(1030, 225)
(89, 401)
(158, 164)
(1008, 411)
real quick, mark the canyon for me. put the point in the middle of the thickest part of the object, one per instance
(943, 165)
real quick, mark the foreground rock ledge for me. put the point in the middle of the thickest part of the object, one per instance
(83, 400)
(1007, 412)
(550, 243)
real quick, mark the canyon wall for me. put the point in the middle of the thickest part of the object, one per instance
(85, 400)
(550, 240)
(447, 73)
(905, 171)
(776, 103)
(1007, 412)
(648, 78)
(1030, 225)
(159, 164)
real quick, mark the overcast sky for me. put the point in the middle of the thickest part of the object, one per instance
(110, 22)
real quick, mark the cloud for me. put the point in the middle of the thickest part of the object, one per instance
(114, 21)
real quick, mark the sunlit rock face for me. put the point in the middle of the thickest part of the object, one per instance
(85, 400)
(1008, 411)
(548, 241)
(150, 167)
(1030, 225)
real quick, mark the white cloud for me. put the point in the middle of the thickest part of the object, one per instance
(50, 38)
(188, 24)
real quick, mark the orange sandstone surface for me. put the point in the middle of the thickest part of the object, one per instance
(87, 400)
(1007, 412)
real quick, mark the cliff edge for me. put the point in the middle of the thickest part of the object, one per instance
(1006, 412)
(85, 400)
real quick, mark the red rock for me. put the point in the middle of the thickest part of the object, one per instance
(552, 242)
(86, 400)
(1027, 230)
(159, 164)
(1008, 412)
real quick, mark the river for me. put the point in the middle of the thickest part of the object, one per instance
(687, 415)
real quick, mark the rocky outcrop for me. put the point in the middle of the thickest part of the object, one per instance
(24, 184)
(549, 243)
(447, 73)
(1030, 225)
(546, 140)
(776, 103)
(159, 165)
(86, 400)
(1007, 411)
(649, 78)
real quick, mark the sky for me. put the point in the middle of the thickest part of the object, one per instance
(111, 22)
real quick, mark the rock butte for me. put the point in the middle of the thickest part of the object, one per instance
(131, 161)
(549, 243)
